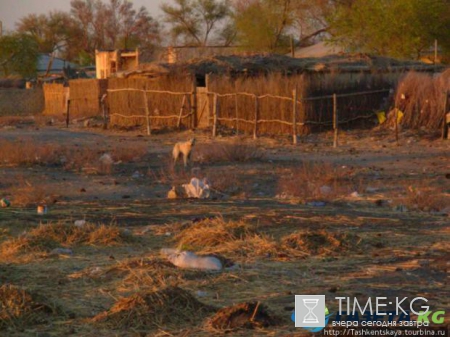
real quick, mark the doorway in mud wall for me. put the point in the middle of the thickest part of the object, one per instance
(203, 110)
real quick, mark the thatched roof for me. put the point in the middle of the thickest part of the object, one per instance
(272, 63)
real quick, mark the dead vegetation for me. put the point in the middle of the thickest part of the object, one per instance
(26, 152)
(421, 98)
(19, 308)
(145, 273)
(424, 199)
(316, 181)
(227, 153)
(250, 315)
(44, 238)
(212, 233)
(319, 243)
(232, 239)
(171, 307)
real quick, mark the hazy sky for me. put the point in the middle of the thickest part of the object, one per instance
(12, 10)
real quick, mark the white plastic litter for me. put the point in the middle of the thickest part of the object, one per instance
(61, 251)
(372, 189)
(80, 223)
(186, 259)
(325, 190)
(106, 159)
(355, 195)
(198, 188)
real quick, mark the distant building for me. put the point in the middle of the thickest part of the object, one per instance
(52, 67)
(319, 49)
(112, 61)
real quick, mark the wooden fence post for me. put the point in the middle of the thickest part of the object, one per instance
(294, 116)
(67, 113)
(194, 104)
(335, 121)
(255, 127)
(147, 113)
(444, 118)
(105, 116)
(237, 113)
(181, 111)
(396, 125)
(215, 108)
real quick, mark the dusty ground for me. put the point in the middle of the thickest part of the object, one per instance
(399, 217)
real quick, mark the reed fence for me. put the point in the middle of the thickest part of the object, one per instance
(55, 97)
(291, 120)
(165, 102)
(85, 96)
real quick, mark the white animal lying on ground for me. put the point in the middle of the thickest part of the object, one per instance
(197, 188)
(185, 259)
(184, 148)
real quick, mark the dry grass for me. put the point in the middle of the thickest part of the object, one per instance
(319, 242)
(171, 307)
(212, 233)
(421, 98)
(16, 121)
(242, 316)
(19, 308)
(143, 273)
(315, 181)
(425, 199)
(225, 181)
(27, 195)
(227, 153)
(25, 152)
(44, 238)
(171, 174)
(230, 238)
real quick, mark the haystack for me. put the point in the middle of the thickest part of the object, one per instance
(171, 307)
(319, 242)
(243, 316)
(20, 308)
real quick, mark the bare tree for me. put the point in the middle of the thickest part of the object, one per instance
(115, 24)
(195, 20)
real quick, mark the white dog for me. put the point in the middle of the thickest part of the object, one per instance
(184, 148)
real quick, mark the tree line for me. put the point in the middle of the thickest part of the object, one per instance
(397, 28)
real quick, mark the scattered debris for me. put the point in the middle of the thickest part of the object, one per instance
(200, 293)
(381, 203)
(137, 175)
(197, 188)
(186, 259)
(42, 209)
(5, 203)
(325, 190)
(372, 190)
(172, 194)
(401, 208)
(61, 251)
(445, 211)
(106, 163)
(355, 195)
(316, 203)
(80, 223)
